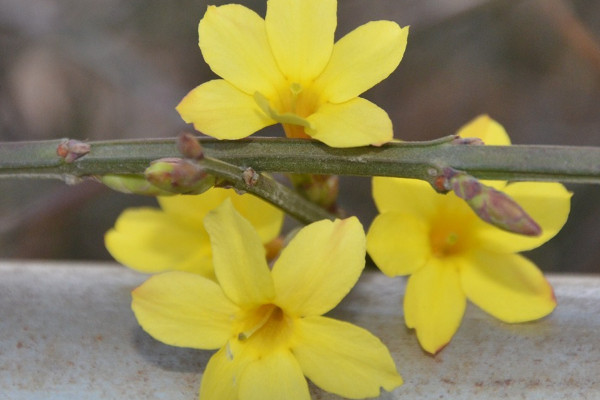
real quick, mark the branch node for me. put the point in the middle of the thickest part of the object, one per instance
(70, 150)
(250, 176)
(470, 141)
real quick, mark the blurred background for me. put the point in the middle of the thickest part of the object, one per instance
(109, 69)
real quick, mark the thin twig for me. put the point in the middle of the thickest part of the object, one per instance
(419, 160)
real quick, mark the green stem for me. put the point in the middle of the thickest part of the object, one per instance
(420, 160)
(268, 189)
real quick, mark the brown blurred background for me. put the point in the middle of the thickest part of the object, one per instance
(104, 69)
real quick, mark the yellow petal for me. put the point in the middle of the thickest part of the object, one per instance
(218, 380)
(218, 109)
(234, 43)
(548, 203)
(151, 241)
(508, 286)
(344, 359)
(361, 59)
(301, 36)
(319, 266)
(434, 304)
(491, 133)
(193, 208)
(411, 196)
(398, 243)
(486, 129)
(274, 377)
(238, 257)
(264, 217)
(357, 122)
(183, 309)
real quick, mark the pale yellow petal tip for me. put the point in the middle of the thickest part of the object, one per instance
(553, 300)
(394, 383)
(438, 350)
(541, 312)
(147, 288)
(431, 346)
(112, 243)
(136, 293)
(404, 33)
(381, 143)
(109, 239)
(403, 40)
(487, 129)
(558, 190)
(542, 307)
(108, 234)
(210, 9)
(186, 107)
(351, 224)
(387, 27)
(213, 9)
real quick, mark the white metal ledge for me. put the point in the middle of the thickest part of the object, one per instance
(67, 332)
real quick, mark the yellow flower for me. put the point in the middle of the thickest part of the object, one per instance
(268, 324)
(451, 255)
(173, 238)
(287, 69)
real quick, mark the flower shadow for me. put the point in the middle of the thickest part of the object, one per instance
(170, 358)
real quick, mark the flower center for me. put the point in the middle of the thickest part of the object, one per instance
(300, 101)
(294, 103)
(296, 91)
(265, 328)
(445, 242)
(449, 234)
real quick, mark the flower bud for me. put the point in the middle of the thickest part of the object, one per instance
(320, 189)
(494, 206)
(71, 149)
(179, 176)
(133, 184)
(189, 147)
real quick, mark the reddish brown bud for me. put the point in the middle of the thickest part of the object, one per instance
(189, 147)
(179, 176)
(466, 187)
(71, 149)
(494, 206)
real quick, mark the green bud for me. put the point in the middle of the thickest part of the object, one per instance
(132, 184)
(320, 189)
